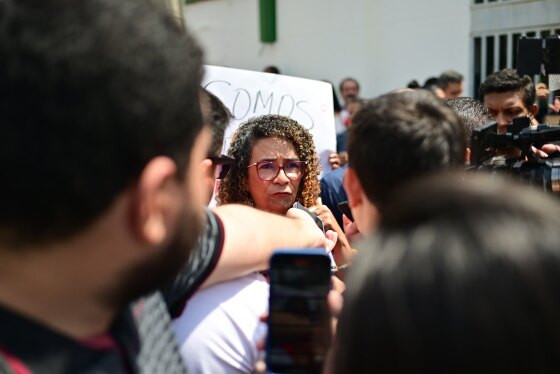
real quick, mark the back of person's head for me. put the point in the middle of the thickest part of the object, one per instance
(399, 136)
(432, 84)
(463, 276)
(507, 80)
(90, 91)
(472, 113)
(217, 117)
(413, 84)
(431, 81)
(448, 77)
(271, 69)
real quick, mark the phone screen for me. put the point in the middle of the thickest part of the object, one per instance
(299, 321)
(345, 209)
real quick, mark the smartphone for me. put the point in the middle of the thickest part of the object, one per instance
(299, 332)
(345, 209)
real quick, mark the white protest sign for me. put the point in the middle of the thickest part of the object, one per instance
(249, 94)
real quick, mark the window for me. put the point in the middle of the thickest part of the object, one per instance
(503, 51)
(489, 55)
(477, 65)
(515, 41)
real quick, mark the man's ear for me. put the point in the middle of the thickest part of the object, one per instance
(534, 109)
(353, 188)
(154, 200)
(208, 168)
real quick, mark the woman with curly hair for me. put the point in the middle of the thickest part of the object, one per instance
(275, 166)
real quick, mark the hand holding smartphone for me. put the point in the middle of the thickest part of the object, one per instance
(299, 320)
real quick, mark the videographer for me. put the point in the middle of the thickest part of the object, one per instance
(507, 95)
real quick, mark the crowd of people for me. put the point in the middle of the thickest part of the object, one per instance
(112, 262)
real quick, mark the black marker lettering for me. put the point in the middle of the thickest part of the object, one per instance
(299, 106)
(269, 101)
(234, 107)
(282, 102)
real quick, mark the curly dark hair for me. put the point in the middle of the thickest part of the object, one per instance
(233, 186)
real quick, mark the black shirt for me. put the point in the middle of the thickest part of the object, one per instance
(139, 341)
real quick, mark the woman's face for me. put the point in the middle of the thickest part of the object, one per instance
(279, 194)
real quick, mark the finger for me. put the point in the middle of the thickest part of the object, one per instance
(539, 153)
(338, 285)
(335, 302)
(550, 148)
(260, 367)
(263, 317)
(331, 238)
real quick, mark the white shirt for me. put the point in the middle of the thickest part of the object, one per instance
(220, 327)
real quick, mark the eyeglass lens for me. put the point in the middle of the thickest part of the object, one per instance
(269, 170)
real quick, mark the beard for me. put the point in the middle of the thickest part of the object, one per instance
(160, 269)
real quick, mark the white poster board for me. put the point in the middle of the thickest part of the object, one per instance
(249, 94)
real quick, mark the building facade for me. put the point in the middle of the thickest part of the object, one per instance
(384, 44)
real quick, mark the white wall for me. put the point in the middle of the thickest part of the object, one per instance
(382, 43)
(521, 14)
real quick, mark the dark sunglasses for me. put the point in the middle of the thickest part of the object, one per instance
(223, 163)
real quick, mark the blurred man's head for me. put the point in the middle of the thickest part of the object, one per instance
(394, 139)
(472, 114)
(507, 95)
(217, 117)
(101, 130)
(349, 89)
(451, 82)
(462, 276)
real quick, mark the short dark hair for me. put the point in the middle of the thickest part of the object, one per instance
(447, 77)
(90, 91)
(399, 136)
(348, 80)
(472, 113)
(217, 118)
(462, 276)
(507, 80)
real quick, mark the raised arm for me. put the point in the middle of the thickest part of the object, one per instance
(252, 235)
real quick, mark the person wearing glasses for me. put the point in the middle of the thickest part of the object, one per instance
(274, 165)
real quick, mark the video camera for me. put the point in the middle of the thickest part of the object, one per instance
(539, 172)
(535, 56)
